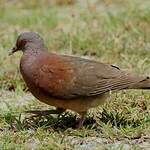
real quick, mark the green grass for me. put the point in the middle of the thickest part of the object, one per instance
(111, 32)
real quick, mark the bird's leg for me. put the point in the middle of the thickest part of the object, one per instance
(81, 120)
(46, 112)
(60, 110)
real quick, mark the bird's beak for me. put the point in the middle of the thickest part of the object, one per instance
(13, 50)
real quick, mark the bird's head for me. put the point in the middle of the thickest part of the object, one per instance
(26, 38)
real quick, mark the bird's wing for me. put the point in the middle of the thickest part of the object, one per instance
(95, 78)
(70, 77)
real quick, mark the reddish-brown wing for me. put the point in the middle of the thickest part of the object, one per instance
(70, 77)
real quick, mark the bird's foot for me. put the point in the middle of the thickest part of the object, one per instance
(80, 121)
(79, 124)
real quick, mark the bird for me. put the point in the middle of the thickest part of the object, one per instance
(70, 82)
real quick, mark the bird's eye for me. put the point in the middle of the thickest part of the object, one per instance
(21, 43)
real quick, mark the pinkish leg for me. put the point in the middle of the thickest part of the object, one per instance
(81, 120)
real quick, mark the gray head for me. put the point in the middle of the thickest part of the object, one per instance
(25, 38)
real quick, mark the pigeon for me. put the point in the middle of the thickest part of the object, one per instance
(70, 82)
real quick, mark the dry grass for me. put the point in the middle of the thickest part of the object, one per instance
(115, 32)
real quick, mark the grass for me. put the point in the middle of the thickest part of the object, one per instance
(111, 32)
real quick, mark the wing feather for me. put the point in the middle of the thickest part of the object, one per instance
(73, 77)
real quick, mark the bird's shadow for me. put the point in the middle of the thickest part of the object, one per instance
(66, 120)
(51, 121)
(61, 122)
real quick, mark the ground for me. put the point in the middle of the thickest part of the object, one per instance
(114, 32)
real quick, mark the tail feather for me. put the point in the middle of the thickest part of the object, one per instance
(143, 84)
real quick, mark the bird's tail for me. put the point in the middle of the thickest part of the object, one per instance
(142, 84)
